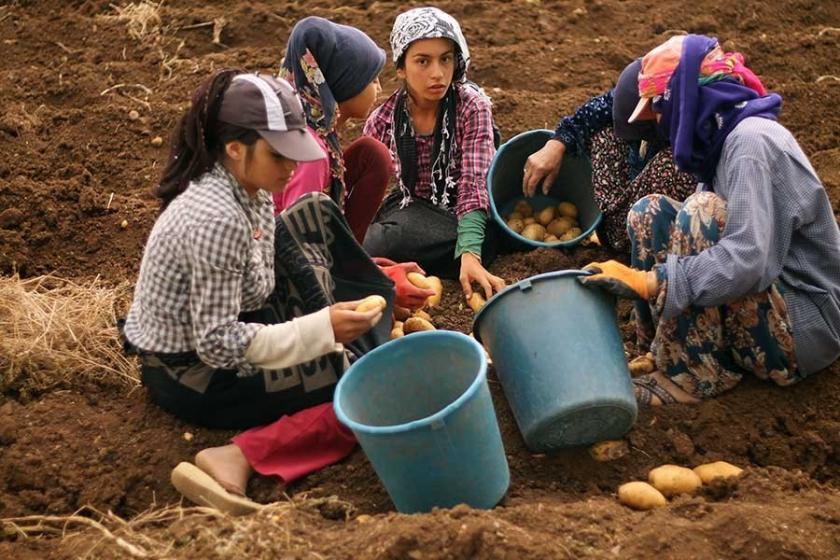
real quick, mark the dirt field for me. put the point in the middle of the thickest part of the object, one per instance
(74, 167)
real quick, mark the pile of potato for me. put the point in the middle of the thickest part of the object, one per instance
(668, 481)
(406, 321)
(552, 224)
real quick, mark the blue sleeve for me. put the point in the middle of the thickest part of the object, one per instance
(576, 131)
(742, 262)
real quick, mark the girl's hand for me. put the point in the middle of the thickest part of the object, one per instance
(473, 271)
(348, 324)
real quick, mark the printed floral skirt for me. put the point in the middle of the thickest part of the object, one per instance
(615, 191)
(705, 350)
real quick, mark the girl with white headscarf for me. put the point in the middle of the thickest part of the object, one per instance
(439, 129)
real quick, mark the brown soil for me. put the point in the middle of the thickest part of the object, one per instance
(67, 145)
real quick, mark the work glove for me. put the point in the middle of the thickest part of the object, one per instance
(408, 295)
(618, 279)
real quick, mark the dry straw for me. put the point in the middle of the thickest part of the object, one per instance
(56, 331)
(178, 532)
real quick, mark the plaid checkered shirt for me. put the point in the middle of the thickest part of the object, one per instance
(473, 143)
(210, 256)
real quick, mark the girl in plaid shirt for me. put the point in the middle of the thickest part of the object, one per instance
(439, 130)
(234, 315)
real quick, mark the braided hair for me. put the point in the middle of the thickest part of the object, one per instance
(199, 139)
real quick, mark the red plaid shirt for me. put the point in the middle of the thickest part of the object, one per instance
(474, 148)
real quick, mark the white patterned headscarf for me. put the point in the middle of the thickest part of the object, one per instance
(429, 23)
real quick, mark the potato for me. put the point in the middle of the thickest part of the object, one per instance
(437, 286)
(418, 280)
(516, 224)
(534, 232)
(516, 216)
(423, 315)
(524, 208)
(397, 333)
(546, 215)
(568, 209)
(559, 226)
(401, 313)
(529, 220)
(609, 450)
(476, 301)
(718, 469)
(640, 365)
(640, 495)
(571, 234)
(397, 325)
(370, 303)
(672, 480)
(417, 324)
(550, 239)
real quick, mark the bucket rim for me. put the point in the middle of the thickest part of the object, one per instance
(525, 282)
(501, 221)
(432, 420)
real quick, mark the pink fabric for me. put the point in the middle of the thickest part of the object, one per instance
(297, 445)
(310, 176)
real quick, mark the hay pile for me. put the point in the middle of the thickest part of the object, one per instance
(55, 331)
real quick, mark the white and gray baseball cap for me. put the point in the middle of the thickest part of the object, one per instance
(270, 106)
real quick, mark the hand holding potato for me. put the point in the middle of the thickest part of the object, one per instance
(473, 271)
(542, 167)
(349, 324)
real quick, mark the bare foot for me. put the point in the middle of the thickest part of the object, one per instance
(227, 465)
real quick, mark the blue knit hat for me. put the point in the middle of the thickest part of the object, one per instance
(349, 60)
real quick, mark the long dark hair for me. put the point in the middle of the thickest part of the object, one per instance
(199, 139)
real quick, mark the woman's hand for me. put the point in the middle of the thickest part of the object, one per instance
(543, 165)
(407, 294)
(348, 324)
(473, 271)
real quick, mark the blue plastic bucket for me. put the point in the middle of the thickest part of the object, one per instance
(421, 410)
(559, 356)
(573, 184)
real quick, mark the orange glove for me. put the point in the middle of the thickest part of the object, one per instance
(618, 279)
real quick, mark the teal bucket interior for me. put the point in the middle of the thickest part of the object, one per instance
(573, 184)
(422, 412)
(558, 354)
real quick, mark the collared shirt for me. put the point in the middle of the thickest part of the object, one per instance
(473, 144)
(210, 256)
(779, 225)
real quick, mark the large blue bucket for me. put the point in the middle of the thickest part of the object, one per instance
(421, 410)
(558, 353)
(573, 184)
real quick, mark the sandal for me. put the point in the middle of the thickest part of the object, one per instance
(646, 387)
(202, 489)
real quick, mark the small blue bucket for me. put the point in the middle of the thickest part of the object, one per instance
(573, 184)
(558, 354)
(421, 410)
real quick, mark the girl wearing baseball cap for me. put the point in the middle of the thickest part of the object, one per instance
(744, 276)
(234, 314)
(439, 130)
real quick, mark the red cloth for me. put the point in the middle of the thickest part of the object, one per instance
(296, 445)
(368, 168)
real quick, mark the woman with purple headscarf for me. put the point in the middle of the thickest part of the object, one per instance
(744, 276)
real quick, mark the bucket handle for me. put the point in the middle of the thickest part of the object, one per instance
(526, 285)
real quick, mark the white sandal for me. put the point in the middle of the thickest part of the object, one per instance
(202, 489)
